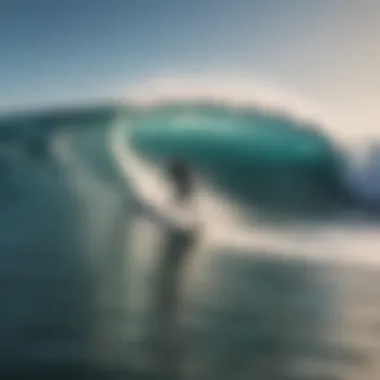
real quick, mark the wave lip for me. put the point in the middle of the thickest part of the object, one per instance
(228, 89)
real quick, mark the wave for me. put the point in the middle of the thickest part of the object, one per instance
(192, 114)
(253, 146)
(249, 140)
(223, 224)
(249, 153)
(215, 129)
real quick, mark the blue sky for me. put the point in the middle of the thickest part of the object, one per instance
(53, 50)
(91, 46)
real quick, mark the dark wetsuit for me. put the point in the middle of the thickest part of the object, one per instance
(181, 176)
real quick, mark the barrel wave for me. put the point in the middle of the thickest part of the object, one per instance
(265, 160)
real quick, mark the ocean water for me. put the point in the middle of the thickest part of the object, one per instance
(276, 285)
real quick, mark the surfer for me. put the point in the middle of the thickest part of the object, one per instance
(167, 345)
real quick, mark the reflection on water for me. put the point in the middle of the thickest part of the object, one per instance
(243, 314)
(252, 314)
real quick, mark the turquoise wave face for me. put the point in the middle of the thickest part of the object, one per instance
(262, 160)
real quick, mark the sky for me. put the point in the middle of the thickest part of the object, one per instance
(63, 51)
